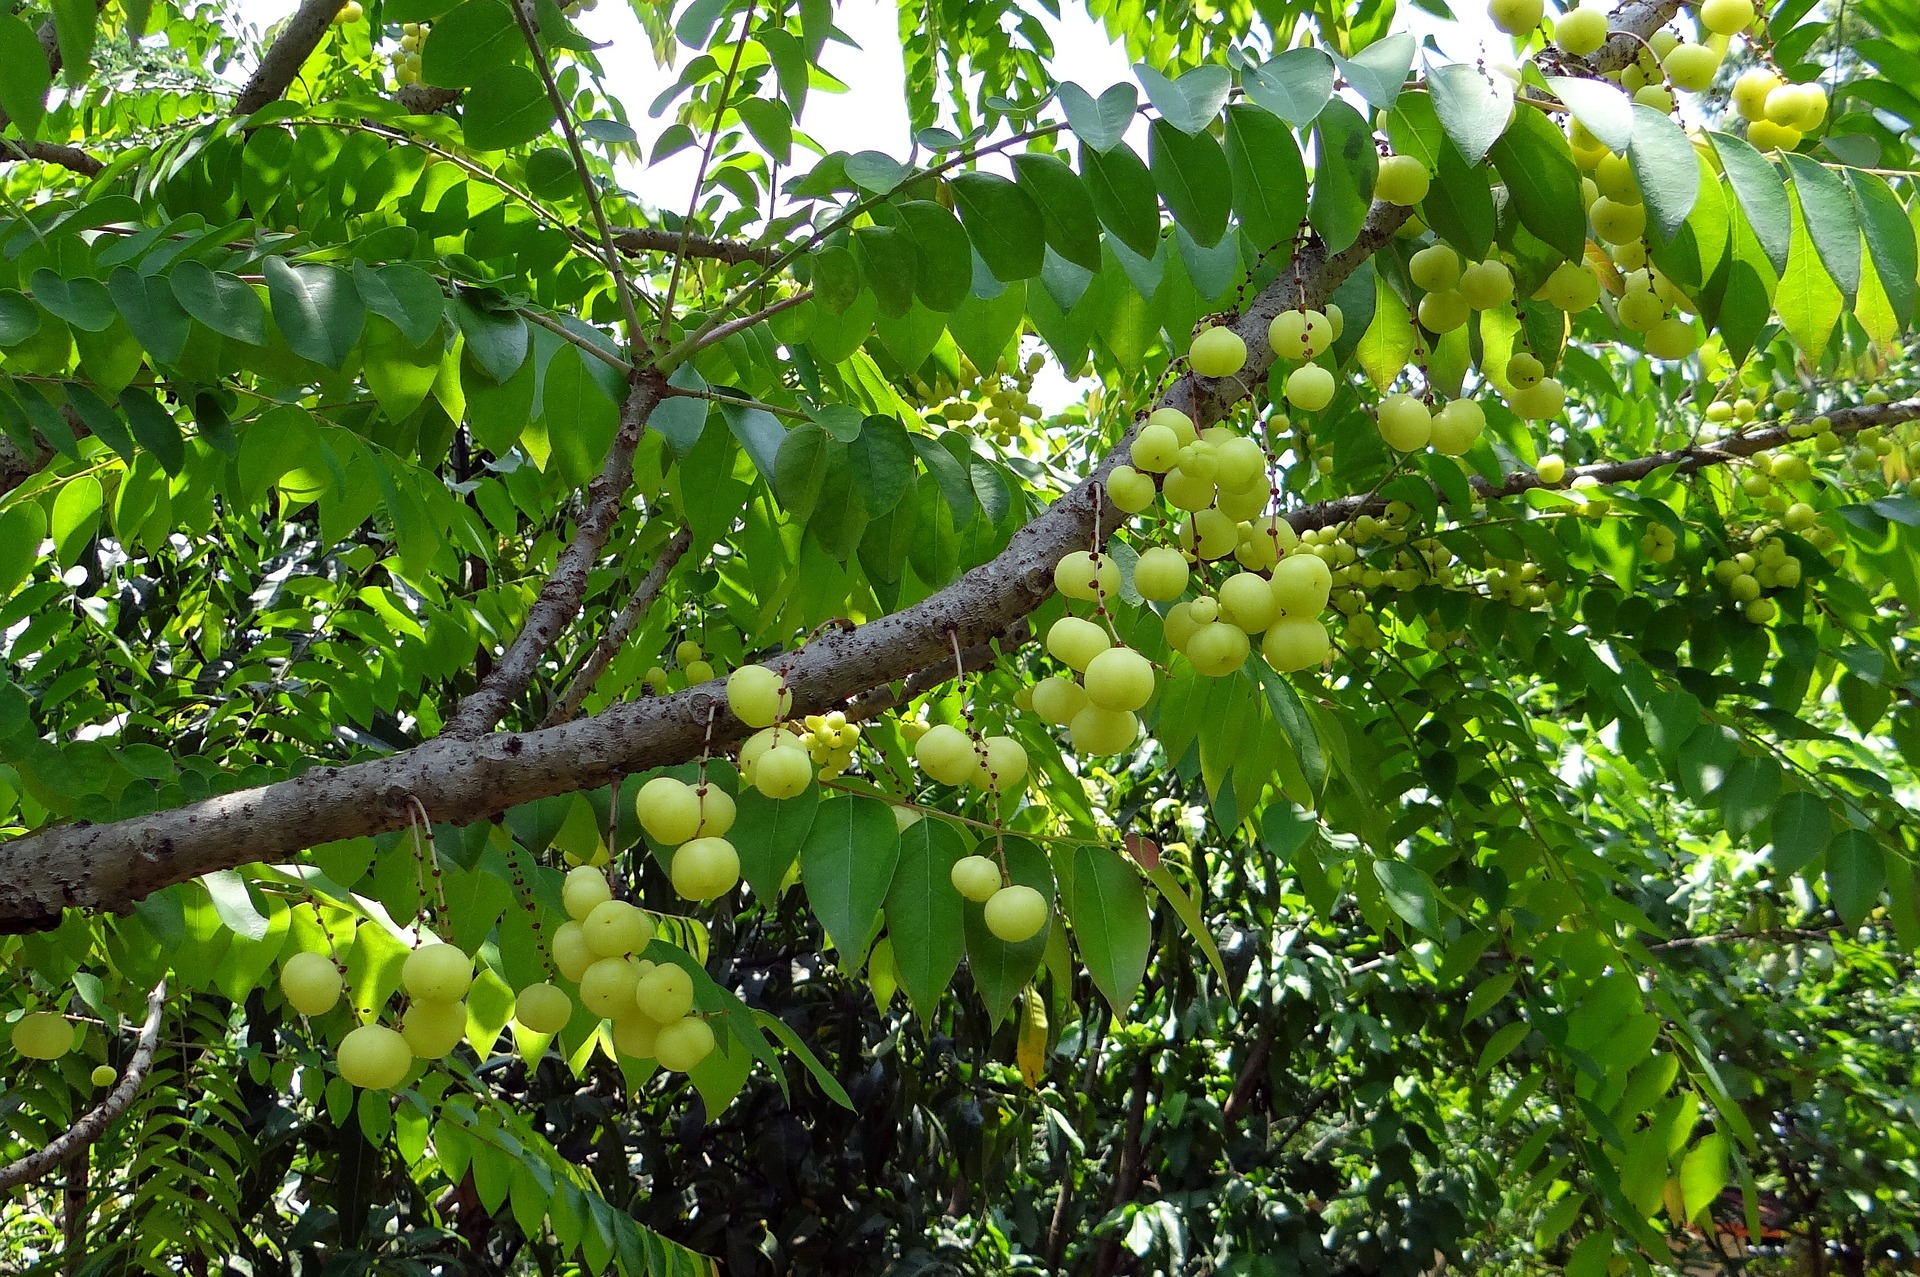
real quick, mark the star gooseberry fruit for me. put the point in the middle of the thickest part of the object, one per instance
(311, 983)
(705, 868)
(946, 753)
(1120, 679)
(1300, 334)
(668, 810)
(1075, 642)
(584, 890)
(1016, 913)
(757, 696)
(1405, 423)
(976, 877)
(437, 972)
(784, 771)
(433, 1029)
(1403, 181)
(1581, 31)
(1218, 648)
(606, 989)
(1056, 700)
(1103, 731)
(1160, 574)
(616, 927)
(374, 1058)
(1217, 352)
(1295, 643)
(1003, 767)
(664, 994)
(43, 1035)
(1516, 17)
(543, 1008)
(1081, 575)
(103, 1075)
(1310, 388)
(1129, 489)
(682, 1045)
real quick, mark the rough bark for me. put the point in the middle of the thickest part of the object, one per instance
(648, 239)
(620, 630)
(287, 54)
(67, 157)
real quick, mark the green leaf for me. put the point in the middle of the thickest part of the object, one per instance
(1666, 169)
(234, 904)
(22, 528)
(768, 833)
(1459, 204)
(1605, 110)
(1501, 1045)
(1295, 85)
(758, 431)
(943, 266)
(801, 466)
(925, 914)
(74, 27)
(154, 316)
(1124, 196)
(876, 171)
(102, 420)
(1747, 797)
(847, 861)
(791, 1040)
(1808, 301)
(1000, 970)
(1703, 1174)
(405, 296)
(23, 89)
(1071, 224)
(1591, 1257)
(75, 518)
(1191, 102)
(1189, 913)
(1474, 106)
(225, 303)
(1410, 895)
(1379, 71)
(1099, 122)
(19, 320)
(154, 427)
(886, 256)
(1890, 239)
(1856, 871)
(881, 461)
(1544, 183)
(317, 309)
(771, 124)
(1344, 168)
(1110, 923)
(1004, 224)
(581, 419)
(1269, 180)
(1762, 195)
(1485, 994)
(1831, 218)
(1802, 828)
(507, 108)
(1192, 175)
(469, 43)
(82, 302)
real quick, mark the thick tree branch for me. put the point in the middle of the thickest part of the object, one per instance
(67, 157)
(622, 628)
(287, 54)
(559, 600)
(85, 1131)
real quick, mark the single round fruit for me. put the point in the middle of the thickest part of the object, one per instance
(635, 1036)
(1218, 649)
(1004, 767)
(433, 1029)
(1155, 449)
(682, 1045)
(1214, 535)
(1403, 181)
(1405, 423)
(946, 753)
(1161, 574)
(1516, 17)
(1310, 388)
(616, 927)
(1485, 285)
(1120, 679)
(1444, 311)
(1301, 584)
(43, 1035)
(1581, 32)
(1457, 427)
(976, 877)
(705, 868)
(1540, 401)
(311, 982)
(103, 1075)
(668, 809)
(607, 987)
(664, 994)
(571, 953)
(1103, 731)
(1691, 67)
(437, 972)
(1765, 135)
(1726, 17)
(1617, 223)
(758, 696)
(1434, 268)
(1129, 489)
(584, 891)
(784, 771)
(1751, 91)
(543, 1008)
(1524, 369)
(1015, 914)
(1217, 352)
(1296, 643)
(1178, 422)
(1243, 466)
(1246, 600)
(1299, 335)
(716, 811)
(698, 672)
(1571, 287)
(1075, 642)
(374, 1058)
(1081, 575)
(1056, 700)
(1671, 338)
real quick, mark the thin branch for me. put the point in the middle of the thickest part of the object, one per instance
(1126, 1180)
(709, 334)
(287, 54)
(567, 334)
(622, 628)
(647, 239)
(738, 401)
(88, 1129)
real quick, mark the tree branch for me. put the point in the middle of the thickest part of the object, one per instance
(559, 600)
(1126, 1180)
(617, 633)
(287, 54)
(67, 157)
(88, 1129)
(647, 239)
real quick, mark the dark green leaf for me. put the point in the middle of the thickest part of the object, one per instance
(1110, 923)
(1833, 223)
(885, 256)
(925, 914)
(74, 26)
(101, 419)
(404, 295)
(1459, 204)
(1747, 797)
(1004, 224)
(1066, 208)
(1191, 102)
(153, 315)
(507, 108)
(758, 431)
(496, 339)
(1534, 161)
(1410, 895)
(1665, 167)
(1124, 196)
(768, 833)
(470, 43)
(23, 89)
(225, 303)
(1762, 194)
(943, 269)
(1269, 180)
(82, 302)
(1890, 239)
(801, 466)
(1192, 175)
(1345, 166)
(19, 319)
(317, 309)
(882, 463)
(154, 427)
(847, 861)
(1099, 123)
(1801, 830)
(1856, 872)
(1474, 105)
(1379, 71)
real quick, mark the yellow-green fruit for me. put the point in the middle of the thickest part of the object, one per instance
(616, 927)
(543, 1008)
(706, 868)
(1516, 17)
(668, 809)
(635, 1036)
(1551, 468)
(1075, 641)
(717, 811)
(1301, 584)
(584, 891)
(1186, 491)
(1761, 611)
(1175, 420)
(698, 672)
(757, 696)
(1218, 649)
(1539, 401)
(1103, 731)
(311, 982)
(1616, 222)
(1081, 575)
(784, 771)
(607, 987)
(42, 1035)
(1243, 466)
(437, 973)
(1056, 700)
(1571, 287)
(1524, 369)
(1155, 449)
(1403, 181)
(1799, 516)
(1310, 388)
(1434, 268)
(1691, 66)
(1129, 489)
(103, 1075)
(1656, 97)
(1671, 338)
(1119, 679)
(1161, 574)
(432, 1029)
(1217, 352)
(976, 877)
(374, 1057)
(1299, 335)
(1296, 643)
(1765, 135)
(1004, 767)
(1016, 913)
(1215, 535)
(1444, 311)
(1405, 423)
(1581, 32)
(1457, 427)
(571, 954)
(686, 652)
(1486, 285)
(1246, 600)
(1751, 90)
(682, 1045)
(946, 753)
(1726, 17)
(664, 994)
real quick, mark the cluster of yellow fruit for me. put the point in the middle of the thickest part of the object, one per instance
(406, 59)
(693, 663)
(1767, 566)
(998, 400)
(649, 1004)
(693, 820)
(436, 977)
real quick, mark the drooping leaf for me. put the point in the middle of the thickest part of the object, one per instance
(847, 861)
(925, 914)
(1110, 923)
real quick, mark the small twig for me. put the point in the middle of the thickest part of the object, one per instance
(565, 333)
(619, 631)
(88, 1129)
(714, 396)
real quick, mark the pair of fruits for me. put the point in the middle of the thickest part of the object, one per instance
(693, 819)
(955, 757)
(1013, 913)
